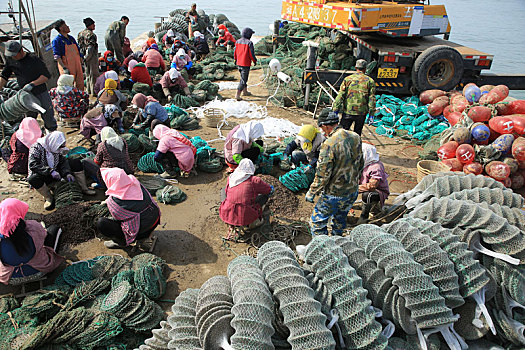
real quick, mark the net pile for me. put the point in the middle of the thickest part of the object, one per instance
(206, 158)
(18, 105)
(67, 193)
(406, 118)
(358, 325)
(170, 195)
(183, 335)
(298, 178)
(215, 67)
(205, 91)
(148, 164)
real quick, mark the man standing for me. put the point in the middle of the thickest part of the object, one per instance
(192, 17)
(115, 37)
(87, 41)
(356, 98)
(337, 176)
(244, 55)
(31, 74)
(67, 54)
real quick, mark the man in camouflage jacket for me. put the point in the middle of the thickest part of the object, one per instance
(115, 35)
(356, 98)
(87, 42)
(337, 176)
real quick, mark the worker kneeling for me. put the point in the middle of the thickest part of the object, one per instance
(135, 213)
(245, 197)
(28, 251)
(305, 148)
(174, 150)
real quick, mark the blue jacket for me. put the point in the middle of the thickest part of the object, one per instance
(156, 110)
(59, 45)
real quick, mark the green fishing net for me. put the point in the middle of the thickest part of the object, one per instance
(148, 164)
(170, 195)
(298, 178)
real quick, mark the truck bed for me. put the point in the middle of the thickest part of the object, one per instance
(411, 45)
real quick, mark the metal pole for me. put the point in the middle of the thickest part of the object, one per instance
(276, 26)
(310, 64)
(20, 19)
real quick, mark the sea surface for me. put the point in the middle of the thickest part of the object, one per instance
(494, 27)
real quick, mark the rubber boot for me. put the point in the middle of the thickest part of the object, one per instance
(169, 172)
(238, 95)
(365, 213)
(245, 92)
(48, 197)
(81, 179)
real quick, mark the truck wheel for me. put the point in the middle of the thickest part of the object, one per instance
(438, 67)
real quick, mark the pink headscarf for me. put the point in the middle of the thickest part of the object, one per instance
(132, 65)
(121, 185)
(162, 131)
(28, 132)
(141, 100)
(12, 211)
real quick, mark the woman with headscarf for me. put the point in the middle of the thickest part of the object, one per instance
(27, 250)
(68, 101)
(151, 113)
(182, 62)
(96, 119)
(112, 152)
(305, 148)
(135, 213)
(244, 55)
(174, 150)
(201, 45)
(108, 62)
(47, 164)
(137, 56)
(172, 82)
(111, 96)
(241, 143)
(153, 59)
(140, 74)
(225, 38)
(27, 134)
(373, 185)
(147, 44)
(101, 80)
(245, 196)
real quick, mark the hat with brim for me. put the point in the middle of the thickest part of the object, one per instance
(12, 48)
(327, 116)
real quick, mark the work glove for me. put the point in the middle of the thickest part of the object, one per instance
(70, 178)
(170, 98)
(28, 87)
(55, 175)
(309, 197)
(308, 169)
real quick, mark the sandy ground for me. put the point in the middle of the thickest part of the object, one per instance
(189, 238)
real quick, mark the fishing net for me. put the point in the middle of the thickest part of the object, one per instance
(422, 297)
(84, 291)
(184, 122)
(406, 118)
(67, 193)
(508, 329)
(125, 275)
(141, 88)
(147, 144)
(253, 306)
(357, 320)
(8, 303)
(99, 332)
(513, 215)
(435, 260)
(302, 313)
(512, 278)
(152, 183)
(478, 188)
(160, 338)
(472, 276)
(184, 102)
(134, 145)
(475, 224)
(17, 106)
(77, 273)
(211, 166)
(321, 293)
(148, 164)
(95, 212)
(149, 276)
(298, 178)
(184, 330)
(44, 303)
(213, 312)
(170, 195)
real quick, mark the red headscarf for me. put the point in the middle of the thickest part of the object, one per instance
(12, 211)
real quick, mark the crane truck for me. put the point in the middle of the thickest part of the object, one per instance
(402, 38)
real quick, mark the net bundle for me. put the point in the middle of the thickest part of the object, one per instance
(298, 178)
(67, 193)
(148, 164)
(170, 194)
(184, 330)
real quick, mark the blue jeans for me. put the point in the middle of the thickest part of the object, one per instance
(331, 207)
(299, 157)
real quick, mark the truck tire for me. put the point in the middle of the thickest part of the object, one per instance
(438, 67)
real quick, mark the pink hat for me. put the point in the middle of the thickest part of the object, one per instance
(121, 185)
(28, 132)
(12, 211)
(132, 65)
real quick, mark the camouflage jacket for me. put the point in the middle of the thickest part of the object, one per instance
(117, 30)
(357, 95)
(87, 42)
(340, 164)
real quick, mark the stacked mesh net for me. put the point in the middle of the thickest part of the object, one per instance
(184, 335)
(84, 309)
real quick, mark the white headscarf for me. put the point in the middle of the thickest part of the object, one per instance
(370, 155)
(250, 131)
(170, 33)
(52, 143)
(243, 172)
(111, 75)
(174, 73)
(65, 83)
(197, 34)
(110, 136)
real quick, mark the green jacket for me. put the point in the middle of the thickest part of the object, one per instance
(357, 95)
(339, 165)
(118, 29)
(87, 42)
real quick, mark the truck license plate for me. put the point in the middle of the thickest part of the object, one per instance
(387, 73)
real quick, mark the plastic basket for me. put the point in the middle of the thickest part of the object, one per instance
(427, 167)
(213, 116)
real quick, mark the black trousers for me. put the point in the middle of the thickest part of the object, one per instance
(112, 229)
(369, 199)
(245, 73)
(347, 120)
(51, 237)
(252, 153)
(37, 180)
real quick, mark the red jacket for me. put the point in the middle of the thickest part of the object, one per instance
(141, 75)
(225, 39)
(239, 208)
(244, 53)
